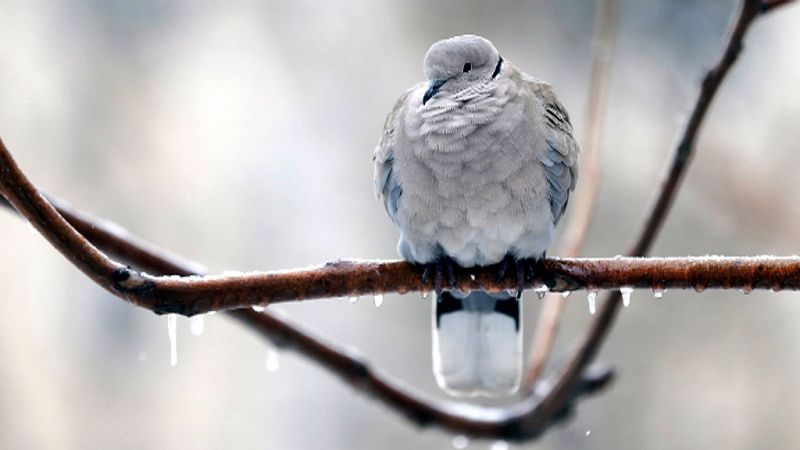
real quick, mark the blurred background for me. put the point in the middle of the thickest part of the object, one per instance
(240, 134)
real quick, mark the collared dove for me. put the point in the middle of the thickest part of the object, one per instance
(475, 167)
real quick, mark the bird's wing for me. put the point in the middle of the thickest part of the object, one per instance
(561, 158)
(387, 186)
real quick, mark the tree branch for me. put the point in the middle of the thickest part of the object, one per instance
(586, 193)
(189, 295)
(523, 420)
(584, 196)
(587, 348)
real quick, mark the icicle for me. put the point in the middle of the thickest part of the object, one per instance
(378, 299)
(172, 331)
(626, 295)
(197, 325)
(258, 308)
(541, 291)
(272, 362)
(499, 445)
(746, 289)
(460, 442)
(592, 301)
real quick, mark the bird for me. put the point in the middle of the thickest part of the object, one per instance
(475, 167)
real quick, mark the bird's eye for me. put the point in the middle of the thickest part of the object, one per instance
(467, 67)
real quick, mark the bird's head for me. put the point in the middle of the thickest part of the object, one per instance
(454, 64)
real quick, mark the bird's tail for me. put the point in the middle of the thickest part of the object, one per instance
(477, 343)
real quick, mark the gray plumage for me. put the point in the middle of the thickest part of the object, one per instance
(477, 163)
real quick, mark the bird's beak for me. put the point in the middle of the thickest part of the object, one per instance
(433, 88)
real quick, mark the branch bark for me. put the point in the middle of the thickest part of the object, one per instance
(189, 295)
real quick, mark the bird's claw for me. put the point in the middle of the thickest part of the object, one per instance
(503, 267)
(524, 270)
(439, 271)
(530, 267)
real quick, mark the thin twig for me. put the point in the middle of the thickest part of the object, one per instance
(586, 193)
(681, 156)
(590, 344)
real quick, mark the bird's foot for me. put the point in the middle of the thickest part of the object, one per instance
(440, 271)
(524, 270)
(530, 267)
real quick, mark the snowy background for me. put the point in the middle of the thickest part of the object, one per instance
(240, 134)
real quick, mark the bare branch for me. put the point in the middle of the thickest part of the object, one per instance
(586, 193)
(189, 295)
(681, 157)
(523, 420)
(587, 348)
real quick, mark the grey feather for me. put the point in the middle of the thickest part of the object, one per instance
(559, 179)
(560, 161)
(387, 186)
(390, 189)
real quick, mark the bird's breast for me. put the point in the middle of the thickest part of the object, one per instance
(478, 195)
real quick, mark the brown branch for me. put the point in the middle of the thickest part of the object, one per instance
(588, 347)
(189, 295)
(586, 193)
(523, 420)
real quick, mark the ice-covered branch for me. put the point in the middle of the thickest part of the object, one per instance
(189, 295)
(589, 344)
(522, 420)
